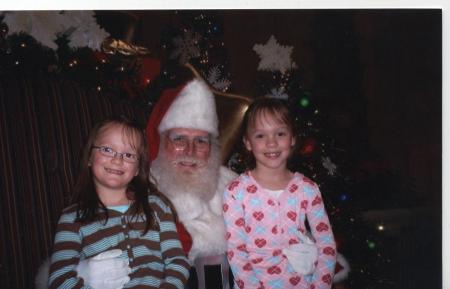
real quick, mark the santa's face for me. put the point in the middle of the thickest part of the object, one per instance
(187, 149)
(186, 166)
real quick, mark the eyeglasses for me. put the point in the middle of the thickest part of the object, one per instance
(180, 142)
(109, 152)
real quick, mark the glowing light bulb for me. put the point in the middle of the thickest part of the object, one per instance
(371, 244)
(304, 101)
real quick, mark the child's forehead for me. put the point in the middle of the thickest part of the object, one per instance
(111, 129)
(266, 116)
(127, 134)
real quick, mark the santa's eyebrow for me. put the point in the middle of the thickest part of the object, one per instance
(174, 134)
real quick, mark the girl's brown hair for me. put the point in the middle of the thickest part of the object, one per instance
(85, 195)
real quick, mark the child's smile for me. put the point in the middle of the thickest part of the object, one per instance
(273, 155)
(114, 172)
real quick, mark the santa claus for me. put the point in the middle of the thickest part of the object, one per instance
(186, 166)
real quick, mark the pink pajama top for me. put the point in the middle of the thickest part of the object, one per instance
(259, 225)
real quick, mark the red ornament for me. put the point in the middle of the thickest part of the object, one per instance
(339, 239)
(100, 56)
(149, 69)
(308, 146)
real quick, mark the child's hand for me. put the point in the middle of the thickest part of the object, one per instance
(105, 271)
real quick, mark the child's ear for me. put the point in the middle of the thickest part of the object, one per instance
(246, 143)
(293, 141)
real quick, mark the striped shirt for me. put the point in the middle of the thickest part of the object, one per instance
(156, 259)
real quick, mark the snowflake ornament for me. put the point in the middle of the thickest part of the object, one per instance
(84, 30)
(216, 80)
(328, 164)
(274, 57)
(45, 26)
(186, 47)
(41, 25)
(279, 92)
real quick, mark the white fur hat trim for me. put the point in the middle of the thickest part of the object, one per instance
(194, 107)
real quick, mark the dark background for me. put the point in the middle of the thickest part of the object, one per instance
(375, 74)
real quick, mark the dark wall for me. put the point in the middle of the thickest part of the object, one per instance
(375, 73)
(402, 58)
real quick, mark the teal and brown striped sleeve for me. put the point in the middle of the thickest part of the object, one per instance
(66, 253)
(175, 262)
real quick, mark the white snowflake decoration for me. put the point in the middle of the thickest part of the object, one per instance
(328, 164)
(274, 57)
(186, 47)
(45, 26)
(279, 92)
(86, 31)
(216, 80)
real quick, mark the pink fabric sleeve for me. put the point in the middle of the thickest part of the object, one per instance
(321, 230)
(237, 237)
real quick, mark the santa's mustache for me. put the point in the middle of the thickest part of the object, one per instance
(191, 160)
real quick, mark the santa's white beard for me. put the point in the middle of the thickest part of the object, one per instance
(196, 199)
(199, 184)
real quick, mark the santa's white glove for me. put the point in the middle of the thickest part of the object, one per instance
(302, 256)
(105, 271)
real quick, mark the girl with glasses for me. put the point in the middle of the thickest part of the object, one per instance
(117, 211)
